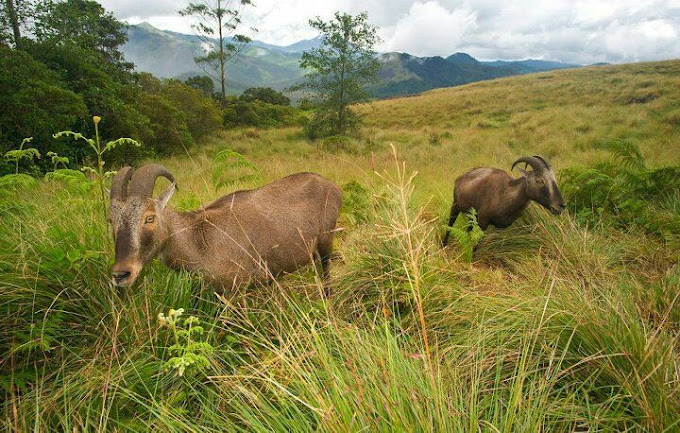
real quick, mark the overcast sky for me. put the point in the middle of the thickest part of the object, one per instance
(566, 30)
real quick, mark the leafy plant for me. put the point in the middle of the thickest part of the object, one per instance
(190, 355)
(264, 94)
(72, 178)
(99, 150)
(56, 159)
(355, 202)
(240, 169)
(16, 155)
(624, 192)
(469, 235)
(627, 153)
(18, 180)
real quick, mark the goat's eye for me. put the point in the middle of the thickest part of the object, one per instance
(150, 219)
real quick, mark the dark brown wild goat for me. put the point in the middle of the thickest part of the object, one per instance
(499, 199)
(244, 237)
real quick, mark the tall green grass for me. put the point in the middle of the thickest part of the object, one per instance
(555, 325)
(409, 341)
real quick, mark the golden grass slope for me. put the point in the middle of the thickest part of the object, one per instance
(564, 115)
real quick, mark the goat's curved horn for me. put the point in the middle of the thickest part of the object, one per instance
(545, 162)
(144, 179)
(119, 184)
(536, 163)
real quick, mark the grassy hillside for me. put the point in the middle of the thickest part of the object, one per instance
(558, 323)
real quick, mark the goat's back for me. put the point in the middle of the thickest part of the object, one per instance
(474, 188)
(276, 228)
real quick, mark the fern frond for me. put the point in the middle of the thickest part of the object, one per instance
(76, 136)
(627, 153)
(469, 235)
(115, 143)
(230, 161)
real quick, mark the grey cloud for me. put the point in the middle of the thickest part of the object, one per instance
(582, 31)
(125, 9)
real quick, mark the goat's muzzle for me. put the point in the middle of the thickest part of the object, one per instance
(124, 276)
(556, 210)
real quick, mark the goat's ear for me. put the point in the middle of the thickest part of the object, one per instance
(164, 198)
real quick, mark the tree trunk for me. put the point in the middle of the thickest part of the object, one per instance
(12, 15)
(342, 126)
(341, 108)
(222, 54)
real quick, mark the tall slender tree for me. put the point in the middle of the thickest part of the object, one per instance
(216, 24)
(14, 22)
(338, 70)
(14, 16)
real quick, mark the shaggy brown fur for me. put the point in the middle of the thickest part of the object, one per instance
(244, 237)
(499, 199)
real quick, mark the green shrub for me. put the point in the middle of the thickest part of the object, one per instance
(16, 155)
(340, 143)
(625, 192)
(264, 94)
(105, 90)
(201, 82)
(355, 203)
(98, 148)
(257, 113)
(202, 114)
(189, 355)
(467, 234)
(230, 167)
(324, 123)
(168, 131)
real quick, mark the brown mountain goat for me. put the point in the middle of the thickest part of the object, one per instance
(499, 199)
(243, 237)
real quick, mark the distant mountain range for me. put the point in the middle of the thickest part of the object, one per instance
(404, 74)
(169, 54)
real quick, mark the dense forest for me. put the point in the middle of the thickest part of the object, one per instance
(61, 64)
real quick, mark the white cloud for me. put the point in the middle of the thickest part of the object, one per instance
(429, 29)
(582, 31)
(647, 40)
(594, 12)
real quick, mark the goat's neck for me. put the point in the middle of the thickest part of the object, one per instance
(518, 197)
(177, 231)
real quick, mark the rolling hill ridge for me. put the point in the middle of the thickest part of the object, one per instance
(168, 54)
